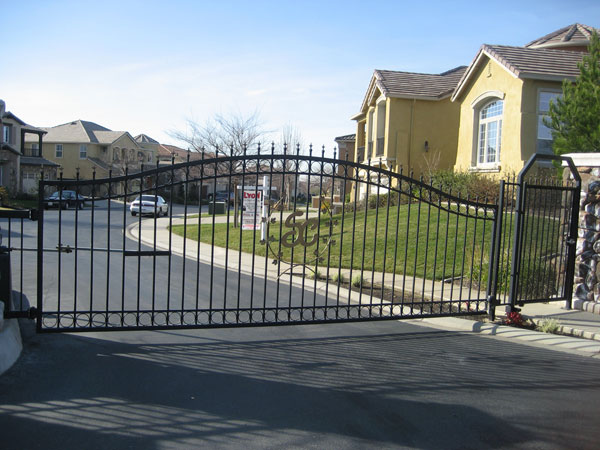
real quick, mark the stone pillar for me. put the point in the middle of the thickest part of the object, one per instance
(586, 291)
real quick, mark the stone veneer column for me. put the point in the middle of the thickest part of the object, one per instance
(586, 291)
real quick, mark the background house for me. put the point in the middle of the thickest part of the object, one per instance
(504, 97)
(84, 147)
(20, 168)
(487, 117)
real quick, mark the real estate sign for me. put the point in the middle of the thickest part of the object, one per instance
(252, 203)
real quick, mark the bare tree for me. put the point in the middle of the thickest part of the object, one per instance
(223, 135)
(291, 142)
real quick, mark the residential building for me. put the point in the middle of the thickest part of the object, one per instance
(20, 168)
(504, 96)
(83, 148)
(407, 121)
(487, 117)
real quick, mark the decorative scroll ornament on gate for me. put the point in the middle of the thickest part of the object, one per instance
(302, 234)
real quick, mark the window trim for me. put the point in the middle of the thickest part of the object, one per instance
(539, 113)
(35, 149)
(83, 150)
(56, 155)
(478, 105)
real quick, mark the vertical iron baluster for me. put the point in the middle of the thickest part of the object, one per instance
(270, 176)
(40, 254)
(385, 243)
(59, 266)
(212, 239)
(200, 190)
(241, 225)
(108, 227)
(226, 274)
(258, 165)
(309, 199)
(321, 196)
(449, 203)
(406, 243)
(343, 199)
(399, 187)
(414, 280)
(375, 229)
(296, 176)
(169, 257)
(139, 246)
(185, 229)
(124, 244)
(92, 221)
(353, 238)
(154, 224)
(330, 234)
(437, 241)
(464, 243)
(422, 306)
(364, 240)
(282, 193)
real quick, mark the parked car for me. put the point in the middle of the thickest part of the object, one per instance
(222, 197)
(149, 204)
(64, 199)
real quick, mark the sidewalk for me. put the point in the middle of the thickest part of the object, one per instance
(573, 324)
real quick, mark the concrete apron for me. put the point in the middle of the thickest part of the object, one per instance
(10, 341)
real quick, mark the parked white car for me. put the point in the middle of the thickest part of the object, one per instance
(149, 204)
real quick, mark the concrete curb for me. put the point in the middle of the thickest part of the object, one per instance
(557, 342)
(10, 341)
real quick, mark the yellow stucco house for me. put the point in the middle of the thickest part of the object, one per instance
(487, 117)
(408, 121)
(85, 147)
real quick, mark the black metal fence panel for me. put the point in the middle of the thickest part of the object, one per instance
(274, 239)
(335, 241)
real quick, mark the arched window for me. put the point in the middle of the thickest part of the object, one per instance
(489, 138)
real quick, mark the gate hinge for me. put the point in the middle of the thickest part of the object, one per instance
(64, 248)
(492, 300)
(33, 214)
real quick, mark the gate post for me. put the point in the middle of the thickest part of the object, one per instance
(40, 253)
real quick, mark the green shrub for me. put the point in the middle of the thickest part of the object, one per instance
(466, 184)
(357, 280)
(339, 277)
(549, 325)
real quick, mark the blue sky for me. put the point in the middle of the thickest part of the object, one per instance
(147, 66)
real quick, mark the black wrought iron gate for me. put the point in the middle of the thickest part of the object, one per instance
(254, 239)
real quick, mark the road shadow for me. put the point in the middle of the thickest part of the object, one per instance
(337, 386)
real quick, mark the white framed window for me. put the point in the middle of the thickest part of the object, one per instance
(544, 134)
(35, 150)
(7, 134)
(489, 135)
(58, 150)
(82, 151)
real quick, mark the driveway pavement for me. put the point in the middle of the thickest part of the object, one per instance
(367, 385)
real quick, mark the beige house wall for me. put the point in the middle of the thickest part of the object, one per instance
(413, 123)
(491, 80)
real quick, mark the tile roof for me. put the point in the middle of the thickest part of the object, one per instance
(523, 62)
(145, 139)
(37, 161)
(346, 138)
(81, 131)
(424, 86)
(408, 84)
(572, 35)
(26, 126)
(537, 63)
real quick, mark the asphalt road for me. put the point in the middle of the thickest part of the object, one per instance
(368, 385)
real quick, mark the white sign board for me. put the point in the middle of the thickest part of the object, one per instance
(252, 202)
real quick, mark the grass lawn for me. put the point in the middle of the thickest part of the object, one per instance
(413, 239)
